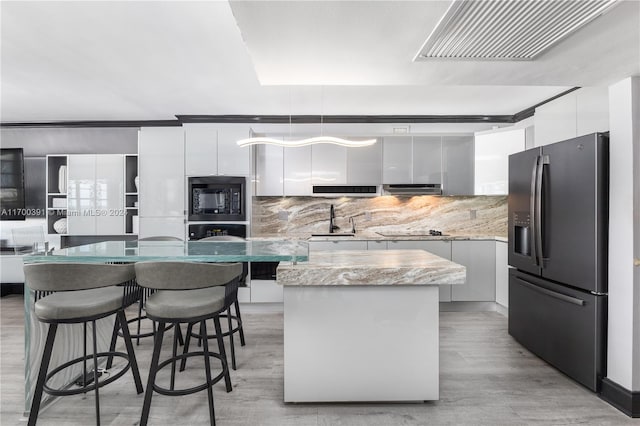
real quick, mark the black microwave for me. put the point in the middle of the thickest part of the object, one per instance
(217, 198)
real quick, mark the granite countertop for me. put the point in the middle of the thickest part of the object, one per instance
(360, 267)
(374, 236)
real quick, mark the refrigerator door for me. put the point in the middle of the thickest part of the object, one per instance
(564, 327)
(574, 219)
(521, 229)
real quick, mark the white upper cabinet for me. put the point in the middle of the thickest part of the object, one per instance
(364, 165)
(297, 171)
(328, 164)
(427, 159)
(233, 160)
(397, 160)
(95, 187)
(201, 151)
(161, 171)
(492, 150)
(269, 170)
(457, 165)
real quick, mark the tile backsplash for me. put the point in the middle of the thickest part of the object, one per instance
(464, 215)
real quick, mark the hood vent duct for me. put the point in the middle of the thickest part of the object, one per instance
(507, 29)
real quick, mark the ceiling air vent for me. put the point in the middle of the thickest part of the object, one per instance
(507, 29)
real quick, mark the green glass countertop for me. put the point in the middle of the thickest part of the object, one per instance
(190, 251)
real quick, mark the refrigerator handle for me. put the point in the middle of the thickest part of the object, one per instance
(552, 293)
(539, 226)
(532, 210)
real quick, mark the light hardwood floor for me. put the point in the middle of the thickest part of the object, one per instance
(486, 379)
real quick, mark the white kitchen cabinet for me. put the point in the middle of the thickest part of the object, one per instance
(95, 195)
(397, 160)
(201, 151)
(492, 150)
(502, 274)
(161, 172)
(233, 160)
(297, 171)
(162, 226)
(376, 245)
(479, 259)
(328, 164)
(364, 164)
(427, 159)
(110, 189)
(457, 165)
(440, 248)
(337, 245)
(266, 291)
(269, 170)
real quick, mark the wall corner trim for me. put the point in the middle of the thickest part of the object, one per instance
(621, 398)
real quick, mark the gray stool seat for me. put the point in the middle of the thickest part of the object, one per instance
(79, 304)
(177, 304)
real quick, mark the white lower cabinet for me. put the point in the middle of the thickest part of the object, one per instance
(376, 245)
(502, 273)
(337, 245)
(479, 259)
(266, 291)
(440, 248)
(161, 226)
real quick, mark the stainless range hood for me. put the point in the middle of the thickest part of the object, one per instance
(413, 189)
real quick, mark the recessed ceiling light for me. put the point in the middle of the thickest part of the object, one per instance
(507, 29)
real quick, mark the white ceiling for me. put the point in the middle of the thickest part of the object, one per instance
(153, 60)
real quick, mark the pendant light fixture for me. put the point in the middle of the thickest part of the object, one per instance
(262, 140)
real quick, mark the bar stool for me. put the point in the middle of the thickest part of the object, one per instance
(187, 293)
(230, 318)
(82, 293)
(143, 296)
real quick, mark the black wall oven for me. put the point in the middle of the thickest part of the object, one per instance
(214, 198)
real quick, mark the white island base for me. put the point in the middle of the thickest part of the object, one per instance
(361, 343)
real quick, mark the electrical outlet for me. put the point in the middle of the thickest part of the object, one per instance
(367, 216)
(283, 215)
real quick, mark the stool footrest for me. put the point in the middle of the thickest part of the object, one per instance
(188, 391)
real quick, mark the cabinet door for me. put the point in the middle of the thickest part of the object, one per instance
(269, 170)
(161, 168)
(397, 164)
(376, 245)
(81, 195)
(233, 160)
(161, 227)
(457, 165)
(479, 259)
(427, 159)
(201, 151)
(364, 165)
(337, 245)
(492, 150)
(502, 274)
(328, 164)
(297, 171)
(110, 194)
(440, 248)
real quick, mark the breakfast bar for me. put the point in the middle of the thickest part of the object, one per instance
(363, 325)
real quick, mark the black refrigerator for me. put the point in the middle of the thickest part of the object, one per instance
(558, 225)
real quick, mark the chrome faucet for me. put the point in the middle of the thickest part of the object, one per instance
(352, 221)
(332, 216)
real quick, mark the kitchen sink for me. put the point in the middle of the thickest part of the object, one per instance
(335, 234)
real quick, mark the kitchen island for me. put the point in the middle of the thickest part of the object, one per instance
(363, 325)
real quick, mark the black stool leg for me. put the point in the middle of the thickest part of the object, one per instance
(187, 340)
(95, 371)
(157, 346)
(237, 305)
(140, 303)
(207, 371)
(174, 353)
(223, 353)
(112, 345)
(42, 375)
(179, 331)
(120, 317)
(84, 361)
(231, 343)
